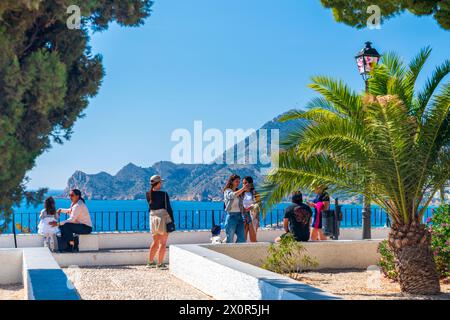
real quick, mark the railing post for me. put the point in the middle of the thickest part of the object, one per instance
(14, 229)
(131, 220)
(337, 211)
(145, 222)
(117, 220)
(271, 218)
(278, 218)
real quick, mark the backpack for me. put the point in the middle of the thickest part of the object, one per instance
(62, 245)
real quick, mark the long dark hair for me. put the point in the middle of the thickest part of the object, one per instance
(50, 206)
(250, 180)
(149, 194)
(78, 194)
(230, 181)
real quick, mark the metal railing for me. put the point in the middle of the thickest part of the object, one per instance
(185, 220)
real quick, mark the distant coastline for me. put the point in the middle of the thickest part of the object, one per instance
(353, 201)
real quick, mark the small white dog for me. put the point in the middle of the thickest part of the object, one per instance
(216, 240)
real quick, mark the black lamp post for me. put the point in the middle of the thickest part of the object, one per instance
(366, 60)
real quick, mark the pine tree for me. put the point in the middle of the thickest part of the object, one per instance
(47, 76)
(354, 12)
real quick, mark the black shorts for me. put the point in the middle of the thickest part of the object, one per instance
(305, 238)
(317, 221)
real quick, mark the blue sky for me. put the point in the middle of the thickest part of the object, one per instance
(230, 63)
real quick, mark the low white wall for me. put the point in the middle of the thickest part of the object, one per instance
(343, 254)
(225, 278)
(23, 241)
(138, 240)
(43, 278)
(39, 273)
(10, 266)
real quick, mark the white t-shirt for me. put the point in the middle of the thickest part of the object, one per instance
(248, 200)
(235, 206)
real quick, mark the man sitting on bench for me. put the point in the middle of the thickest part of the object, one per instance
(79, 221)
(297, 219)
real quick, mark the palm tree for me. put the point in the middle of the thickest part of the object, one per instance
(391, 145)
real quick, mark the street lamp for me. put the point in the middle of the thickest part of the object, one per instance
(366, 60)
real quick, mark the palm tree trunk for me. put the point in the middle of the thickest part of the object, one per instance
(417, 273)
(366, 219)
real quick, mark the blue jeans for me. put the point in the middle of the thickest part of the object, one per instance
(234, 224)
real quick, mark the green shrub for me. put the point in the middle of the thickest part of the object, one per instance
(387, 261)
(439, 226)
(289, 257)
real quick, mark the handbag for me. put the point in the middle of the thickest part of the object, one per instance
(170, 226)
(216, 229)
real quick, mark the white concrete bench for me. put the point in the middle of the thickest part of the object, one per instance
(88, 242)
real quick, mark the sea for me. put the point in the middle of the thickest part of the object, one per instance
(132, 215)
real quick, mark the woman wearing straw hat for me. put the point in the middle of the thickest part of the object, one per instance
(161, 214)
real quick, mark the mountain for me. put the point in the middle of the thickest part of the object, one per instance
(197, 182)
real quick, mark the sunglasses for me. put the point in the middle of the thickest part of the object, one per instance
(71, 195)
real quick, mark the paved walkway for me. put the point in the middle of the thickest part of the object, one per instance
(130, 283)
(12, 292)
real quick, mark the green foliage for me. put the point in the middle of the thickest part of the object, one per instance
(392, 144)
(439, 226)
(440, 239)
(47, 76)
(288, 257)
(354, 12)
(387, 261)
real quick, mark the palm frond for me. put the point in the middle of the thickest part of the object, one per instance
(291, 115)
(378, 83)
(391, 134)
(426, 94)
(295, 173)
(394, 64)
(434, 137)
(414, 69)
(338, 137)
(344, 100)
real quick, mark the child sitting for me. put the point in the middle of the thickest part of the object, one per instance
(47, 216)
